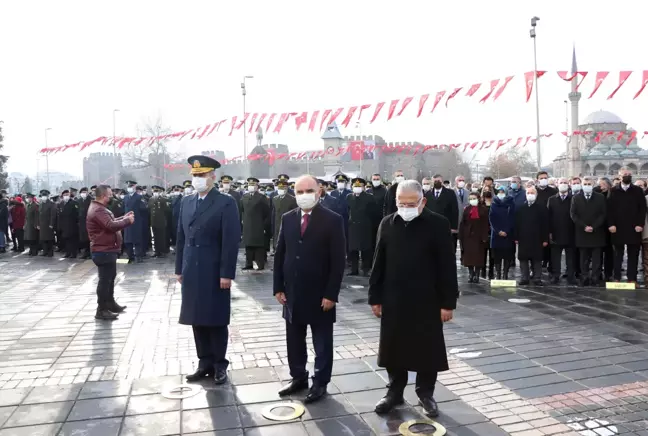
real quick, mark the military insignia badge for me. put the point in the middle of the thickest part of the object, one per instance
(196, 164)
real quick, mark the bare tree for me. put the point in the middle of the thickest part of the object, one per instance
(513, 162)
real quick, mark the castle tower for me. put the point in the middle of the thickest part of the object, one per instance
(332, 139)
(574, 166)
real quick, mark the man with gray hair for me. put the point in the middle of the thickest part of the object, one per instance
(413, 289)
(531, 235)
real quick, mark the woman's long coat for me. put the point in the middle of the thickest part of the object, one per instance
(473, 236)
(502, 219)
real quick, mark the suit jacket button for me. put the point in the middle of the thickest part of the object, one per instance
(296, 257)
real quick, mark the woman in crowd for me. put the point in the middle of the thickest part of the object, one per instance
(473, 236)
(502, 223)
(487, 200)
(18, 217)
(605, 187)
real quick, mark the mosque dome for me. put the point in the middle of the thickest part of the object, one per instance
(642, 152)
(601, 117)
(618, 147)
(627, 153)
(612, 153)
(601, 147)
(595, 154)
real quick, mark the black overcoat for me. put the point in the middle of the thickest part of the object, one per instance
(255, 208)
(83, 214)
(531, 230)
(446, 205)
(31, 221)
(590, 213)
(473, 236)
(281, 204)
(561, 226)
(414, 276)
(70, 219)
(47, 220)
(626, 209)
(361, 216)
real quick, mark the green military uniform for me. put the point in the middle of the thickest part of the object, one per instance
(255, 208)
(282, 203)
(159, 211)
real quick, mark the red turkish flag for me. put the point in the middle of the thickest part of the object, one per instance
(301, 119)
(282, 119)
(349, 115)
(600, 77)
(254, 117)
(528, 80)
(437, 99)
(335, 115)
(501, 89)
(270, 120)
(493, 86)
(406, 103)
(379, 106)
(473, 89)
(623, 76)
(453, 95)
(422, 101)
(325, 116)
(563, 75)
(204, 131)
(263, 117)
(392, 108)
(357, 149)
(243, 121)
(233, 125)
(363, 107)
(644, 82)
(313, 121)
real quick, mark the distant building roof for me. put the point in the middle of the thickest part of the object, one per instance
(332, 132)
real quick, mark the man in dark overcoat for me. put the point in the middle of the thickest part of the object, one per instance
(255, 208)
(626, 215)
(282, 203)
(308, 271)
(413, 289)
(46, 223)
(378, 191)
(69, 219)
(31, 224)
(209, 233)
(362, 214)
(84, 203)
(159, 211)
(325, 198)
(134, 236)
(340, 194)
(389, 206)
(588, 212)
(531, 233)
(175, 212)
(443, 201)
(561, 232)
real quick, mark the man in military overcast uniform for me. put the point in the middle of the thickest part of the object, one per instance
(31, 224)
(229, 189)
(361, 216)
(255, 208)
(379, 191)
(69, 218)
(326, 199)
(46, 223)
(134, 236)
(158, 209)
(282, 203)
(84, 204)
(60, 239)
(340, 194)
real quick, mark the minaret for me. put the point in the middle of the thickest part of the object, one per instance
(574, 166)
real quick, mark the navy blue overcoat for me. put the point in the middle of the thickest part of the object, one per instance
(135, 234)
(206, 250)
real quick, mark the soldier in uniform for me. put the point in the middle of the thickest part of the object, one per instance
(60, 239)
(340, 194)
(84, 204)
(134, 235)
(209, 233)
(379, 192)
(69, 218)
(361, 217)
(31, 224)
(229, 189)
(146, 229)
(116, 205)
(176, 198)
(325, 198)
(188, 187)
(255, 208)
(159, 208)
(46, 223)
(282, 203)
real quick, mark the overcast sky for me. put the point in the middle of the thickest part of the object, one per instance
(68, 64)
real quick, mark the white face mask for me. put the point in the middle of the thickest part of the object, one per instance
(200, 184)
(531, 198)
(501, 196)
(588, 189)
(461, 184)
(66, 197)
(226, 186)
(474, 202)
(251, 188)
(188, 190)
(426, 187)
(357, 189)
(375, 183)
(544, 182)
(281, 191)
(28, 200)
(121, 196)
(399, 179)
(576, 187)
(306, 201)
(84, 195)
(130, 190)
(563, 187)
(408, 213)
(156, 194)
(44, 198)
(341, 185)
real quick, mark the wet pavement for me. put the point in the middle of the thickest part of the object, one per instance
(525, 362)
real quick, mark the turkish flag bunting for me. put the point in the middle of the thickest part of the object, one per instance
(212, 129)
(301, 119)
(501, 89)
(204, 131)
(243, 121)
(313, 121)
(453, 95)
(493, 86)
(392, 108)
(233, 125)
(600, 77)
(325, 116)
(473, 89)
(422, 101)
(379, 106)
(282, 119)
(623, 76)
(583, 74)
(563, 75)
(363, 107)
(437, 99)
(189, 131)
(254, 117)
(644, 82)
(263, 117)
(349, 115)
(356, 149)
(406, 103)
(528, 80)
(335, 115)
(270, 120)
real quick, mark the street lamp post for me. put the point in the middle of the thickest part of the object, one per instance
(47, 160)
(244, 92)
(532, 34)
(115, 180)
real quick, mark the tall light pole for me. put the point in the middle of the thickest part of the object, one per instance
(47, 159)
(243, 91)
(359, 127)
(532, 34)
(115, 180)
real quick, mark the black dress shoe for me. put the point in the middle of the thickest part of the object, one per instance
(200, 374)
(430, 406)
(247, 268)
(106, 315)
(354, 273)
(293, 387)
(316, 393)
(114, 307)
(221, 377)
(388, 402)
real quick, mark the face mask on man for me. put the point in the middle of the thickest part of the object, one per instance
(44, 198)
(375, 183)
(587, 189)
(66, 197)
(426, 187)
(200, 184)
(84, 195)
(438, 185)
(514, 186)
(501, 196)
(543, 182)
(474, 189)
(399, 179)
(474, 202)
(341, 185)
(576, 187)
(461, 184)
(156, 194)
(188, 190)
(531, 198)
(251, 188)
(357, 189)
(563, 187)
(306, 201)
(226, 186)
(122, 196)
(130, 189)
(626, 180)
(408, 213)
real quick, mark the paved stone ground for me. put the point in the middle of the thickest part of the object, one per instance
(571, 361)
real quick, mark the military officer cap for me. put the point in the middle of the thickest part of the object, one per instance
(73, 189)
(283, 177)
(369, 185)
(270, 188)
(29, 195)
(131, 183)
(252, 181)
(176, 187)
(143, 187)
(116, 191)
(359, 181)
(292, 184)
(282, 184)
(44, 192)
(84, 189)
(55, 198)
(226, 179)
(140, 188)
(342, 178)
(187, 183)
(202, 164)
(157, 188)
(93, 187)
(65, 192)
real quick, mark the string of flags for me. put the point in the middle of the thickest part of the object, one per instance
(318, 119)
(358, 150)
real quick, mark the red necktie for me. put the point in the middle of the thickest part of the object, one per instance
(304, 223)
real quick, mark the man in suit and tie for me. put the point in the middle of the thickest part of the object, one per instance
(308, 270)
(462, 194)
(445, 202)
(209, 232)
